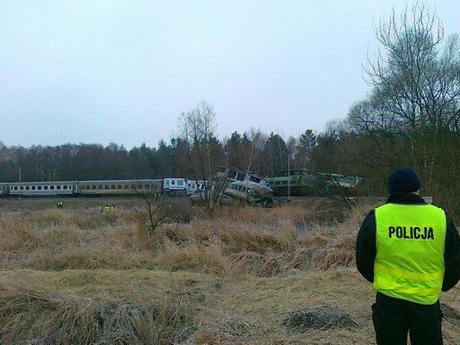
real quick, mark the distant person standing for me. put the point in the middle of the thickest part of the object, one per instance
(410, 251)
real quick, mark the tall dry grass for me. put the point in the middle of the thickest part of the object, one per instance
(262, 242)
(216, 308)
(31, 316)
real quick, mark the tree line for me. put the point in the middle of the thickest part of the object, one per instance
(254, 151)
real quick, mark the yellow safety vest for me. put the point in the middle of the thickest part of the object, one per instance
(409, 264)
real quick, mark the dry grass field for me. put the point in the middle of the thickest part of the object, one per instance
(245, 276)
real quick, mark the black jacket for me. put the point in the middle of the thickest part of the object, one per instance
(366, 248)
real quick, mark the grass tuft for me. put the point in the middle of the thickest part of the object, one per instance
(39, 317)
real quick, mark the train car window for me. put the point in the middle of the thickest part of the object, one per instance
(119, 186)
(180, 183)
(70, 186)
(112, 186)
(58, 187)
(139, 187)
(33, 187)
(21, 188)
(15, 187)
(27, 187)
(39, 187)
(232, 173)
(106, 186)
(133, 186)
(254, 179)
(126, 186)
(94, 187)
(65, 186)
(173, 182)
(52, 187)
(45, 187)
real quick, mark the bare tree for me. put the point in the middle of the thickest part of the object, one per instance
(198, 129)
(416, 81)
(257, 139)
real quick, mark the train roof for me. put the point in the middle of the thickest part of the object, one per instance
(119, 181)
(39, 182)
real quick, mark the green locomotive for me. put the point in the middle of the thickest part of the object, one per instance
(299, 183)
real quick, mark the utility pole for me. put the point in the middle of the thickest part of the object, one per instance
(289, 176)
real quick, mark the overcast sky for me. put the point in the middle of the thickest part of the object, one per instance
(123, 71)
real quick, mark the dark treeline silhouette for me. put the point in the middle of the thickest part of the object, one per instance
(255, 151)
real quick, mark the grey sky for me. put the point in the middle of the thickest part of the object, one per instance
(122, 71)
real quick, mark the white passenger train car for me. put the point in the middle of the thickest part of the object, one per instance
(195, 186)
(174, 185)
(41, 188)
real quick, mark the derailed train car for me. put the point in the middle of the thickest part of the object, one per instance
(300, 183)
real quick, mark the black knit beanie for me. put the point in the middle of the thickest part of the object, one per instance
(404, 180)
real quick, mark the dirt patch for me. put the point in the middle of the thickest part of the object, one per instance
(225, 327)
(319, 317)
(450, 314)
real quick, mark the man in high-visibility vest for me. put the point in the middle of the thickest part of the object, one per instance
(410, 251)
